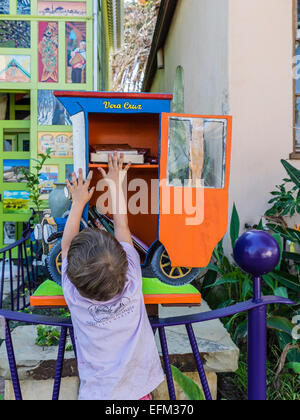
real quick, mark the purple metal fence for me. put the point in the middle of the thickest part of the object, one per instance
(18, 271)
(256, 254)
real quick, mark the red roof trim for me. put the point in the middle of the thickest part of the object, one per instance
(113, 95)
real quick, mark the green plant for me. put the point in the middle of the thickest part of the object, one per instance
(286, 202)
(47, 336)
(32, 178)
(191, 390)
(236, 286)
(69, 347)
(283, 388)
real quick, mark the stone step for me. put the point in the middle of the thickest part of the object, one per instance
(219, 353)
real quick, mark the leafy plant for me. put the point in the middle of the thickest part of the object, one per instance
(236, 286)
(286, 202)
(32, 178)
(47, 336)
(293, 172)
(191, 390)
(285, 389)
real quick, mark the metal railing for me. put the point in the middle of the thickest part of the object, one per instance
(262, 257)
(18, 271)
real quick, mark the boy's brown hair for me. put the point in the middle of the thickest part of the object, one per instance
(97, 265)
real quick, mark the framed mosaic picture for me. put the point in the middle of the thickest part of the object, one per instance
(13, 170)
(15, 68)
(69, 171)
(61, 144)
(61, 8)
(14, 34)
(23, 7)
(50, 110)
(15, 202)
(4, 7)
(9, 232)
(76, 52)
(48, 52)
(47, 178)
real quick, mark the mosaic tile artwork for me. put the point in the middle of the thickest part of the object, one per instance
(15, 68)
(4, 7)
(14, 34)
(23, 7)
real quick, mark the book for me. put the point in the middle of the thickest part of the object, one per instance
(128, 157)
(100, 153)
(111, 148)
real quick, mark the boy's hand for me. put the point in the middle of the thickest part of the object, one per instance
(81, 194)
(116, 172)
(115, 179)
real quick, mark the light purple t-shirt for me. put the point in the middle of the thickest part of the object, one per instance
(116, 351)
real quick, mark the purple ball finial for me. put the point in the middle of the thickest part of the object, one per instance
(257, 252)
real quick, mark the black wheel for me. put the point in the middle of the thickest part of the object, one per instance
(174, 276)
(54, 262)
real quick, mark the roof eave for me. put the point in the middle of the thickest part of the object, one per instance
(164, 20)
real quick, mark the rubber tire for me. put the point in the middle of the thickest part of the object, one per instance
(155, 265)
(51, 263)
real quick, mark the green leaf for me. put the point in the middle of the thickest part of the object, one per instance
(213, 267)
(280, 324)
(293, 172)
(241, 331)
(222, 281)
(210, 278)
(269, 281)
(292, 256)
(226, 304)
(278, 239)
(294, 366)
(260, 225)
(247, 287)
(289, 234)
(287, 280)
(232, 319)
(188, 386)
(281, 292)
(234, 226)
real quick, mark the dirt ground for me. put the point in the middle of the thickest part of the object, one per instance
(227, 390)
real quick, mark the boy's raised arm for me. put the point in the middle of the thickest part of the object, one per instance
(115, 179)
(80, 197)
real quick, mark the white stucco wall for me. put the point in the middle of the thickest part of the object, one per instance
(198, 42)
(237, 57)
(261, 99)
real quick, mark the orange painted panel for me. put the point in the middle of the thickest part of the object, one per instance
(59, 301)
(191, 245)
(48, 301)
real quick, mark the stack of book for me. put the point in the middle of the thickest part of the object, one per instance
(100, 153)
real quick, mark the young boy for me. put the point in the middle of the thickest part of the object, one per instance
(102, 283)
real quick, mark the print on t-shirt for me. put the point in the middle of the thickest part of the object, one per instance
(111, 312)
